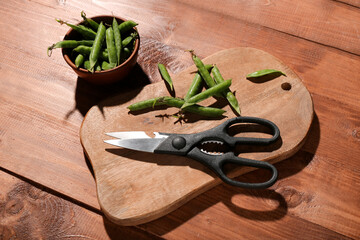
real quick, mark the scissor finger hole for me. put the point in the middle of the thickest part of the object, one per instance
(244, 173)
(252, 130)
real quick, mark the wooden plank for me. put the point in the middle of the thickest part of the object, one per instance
(275, 213)
(171, 27)
(27, 212)
(352, 3)
(325, 22)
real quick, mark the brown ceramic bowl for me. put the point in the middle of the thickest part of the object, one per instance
(116, 74)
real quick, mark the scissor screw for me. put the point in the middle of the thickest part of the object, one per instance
(179, 143)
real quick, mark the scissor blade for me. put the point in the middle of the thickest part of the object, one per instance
(128, 135)
(139, 144)
(134, 135)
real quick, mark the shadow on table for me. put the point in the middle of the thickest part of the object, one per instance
(88, 95)
(276, 200)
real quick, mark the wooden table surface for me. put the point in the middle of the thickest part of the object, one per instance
(47, 187)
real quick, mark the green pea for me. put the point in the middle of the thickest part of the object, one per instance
(117, 37)
(94, 25)
(79, 60)
(196, 84)
(110, 44)
(96, 47)
(69, 44)
(165, 75)
(227, 93)
(264, 72)
(86, 50)
(126, 26)
(217, 89)
(86, 32)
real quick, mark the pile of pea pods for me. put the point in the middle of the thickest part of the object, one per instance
(207, 74)
(103, 47)
(216, 86)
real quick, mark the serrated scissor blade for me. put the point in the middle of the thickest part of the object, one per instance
(138, 144)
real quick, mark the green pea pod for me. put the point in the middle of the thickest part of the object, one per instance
(217, 89)
(79, 60)
(196, 84)
(264, 72)
(69, 44)
(110, 44)
(125, 55)
(202, 70)
(86, 32)
(178, 103)
(87, 66)
(117, 38)
(128, 39)
(96, 47)
(106, 66)
(126, 26)
(165, 75)
(86, 50)
(227, 94)
(94, 25)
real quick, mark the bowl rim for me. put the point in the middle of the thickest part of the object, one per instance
(83, 70)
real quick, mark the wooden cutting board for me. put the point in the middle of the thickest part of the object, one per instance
(136, 187)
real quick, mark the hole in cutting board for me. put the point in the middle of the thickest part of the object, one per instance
(286, 86)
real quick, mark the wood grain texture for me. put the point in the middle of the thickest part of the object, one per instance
(41, 95)
(135, 187)
(27, 212)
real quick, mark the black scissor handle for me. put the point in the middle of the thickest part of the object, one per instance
(221, 132)
(216, 164)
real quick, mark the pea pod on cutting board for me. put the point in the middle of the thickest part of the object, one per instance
(264, 72)
(165, 75)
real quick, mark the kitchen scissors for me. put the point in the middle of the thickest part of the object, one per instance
(190, 145)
